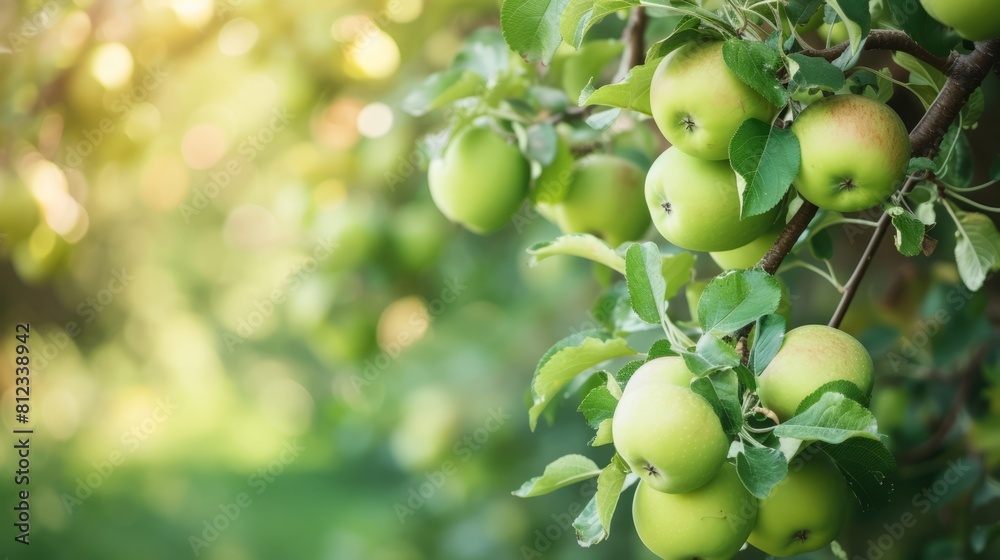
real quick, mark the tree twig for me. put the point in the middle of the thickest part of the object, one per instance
(634, 37)
(883, 39)
(967, 73)
(938, 438)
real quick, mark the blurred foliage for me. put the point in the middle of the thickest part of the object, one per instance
(217, 225)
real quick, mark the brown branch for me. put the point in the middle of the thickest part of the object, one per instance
(787, 238)
(634, 37)
(888, 40)
(967, 74)
(938, 438)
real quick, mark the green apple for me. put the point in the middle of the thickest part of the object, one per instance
(812, 24)
(480, 181)
(695, 204)
(750, 254)
(834, 33)
(668, 369)
(668, 434)
(605, 198)
(810, 357)
(710, 523)
(698, 102)
(855, 152)
(976, 20)
(804, 512)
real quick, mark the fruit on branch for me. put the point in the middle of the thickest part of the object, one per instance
(668, 369)
(480, 181)
(695, 204)
(833, 33)
(699, 103)
(976, 20)
(812, 356)
(668, 434)
(750, 254)
(855, 152)
(805, 511)
(605, 198)
(812, 24)
(710, 523)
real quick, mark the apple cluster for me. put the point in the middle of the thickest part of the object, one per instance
(854, 153)
(691, 502)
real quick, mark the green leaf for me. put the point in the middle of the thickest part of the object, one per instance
(660, 349)
(599, 405)
(711, 354)
(540, 143)
(737, 298)
(627, 371)
(810, 72)
(531, 27)
(921, 163)
(760, 469)
(842, 386)
(484, 53)
(593, 525)
(686, 32)
(677, 272)
(602, 120)
(560, 473)
(770, 334)
(910, 231)
(834, 418)
(756, 64)
(801, 11)
(821, 245)
(646, 286)
(865, 464)
(631, 93)
(766, 160)
(978, 250)
(856, 16)
(603, 435)
(722, 390)
(578, 245)
(581, 15)
(567, 359)
(925, 30)
(441, 89)
(983, 536)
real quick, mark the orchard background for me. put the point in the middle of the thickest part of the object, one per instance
(216, 217)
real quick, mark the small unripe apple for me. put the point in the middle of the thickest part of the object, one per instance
(750, 254)
(605, 198)
(668, 434)
(480, 181)
(834, 33)
(805, 511)
(710, 523)
(855, 152)
(699, 103)
(695, 204)
(812, 356)
(976, 20)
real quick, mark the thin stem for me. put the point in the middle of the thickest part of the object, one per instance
(850, 221)
(971, 189)
(973, 203)
(821, 273)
